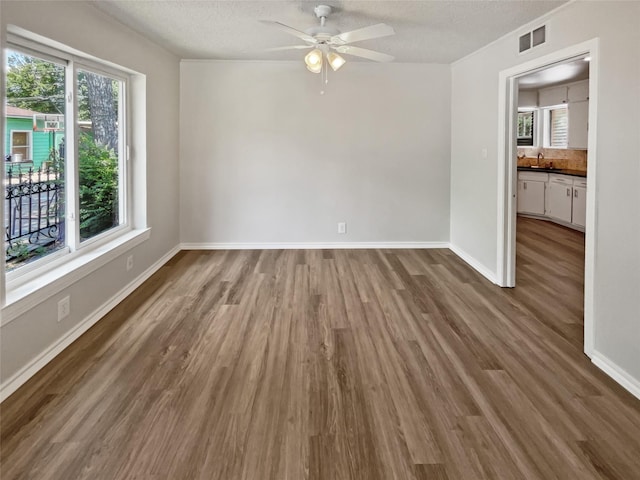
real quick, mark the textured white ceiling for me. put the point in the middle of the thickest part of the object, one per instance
(426, 31)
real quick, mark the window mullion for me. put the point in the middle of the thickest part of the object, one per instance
(71, 167)
(124, 168)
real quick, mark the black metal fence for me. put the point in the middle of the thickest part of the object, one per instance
(34, 212)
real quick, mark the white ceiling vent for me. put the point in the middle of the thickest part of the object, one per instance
(532, 39)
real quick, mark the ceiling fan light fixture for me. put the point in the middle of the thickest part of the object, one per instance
(313, 58)
(335, 60)
(316, 68)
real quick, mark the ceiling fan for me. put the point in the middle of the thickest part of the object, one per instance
(326, 41)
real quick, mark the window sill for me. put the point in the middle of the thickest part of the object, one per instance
(25, 296)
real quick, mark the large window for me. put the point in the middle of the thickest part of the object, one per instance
(72, 192)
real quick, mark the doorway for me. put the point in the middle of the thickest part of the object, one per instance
(508, 183)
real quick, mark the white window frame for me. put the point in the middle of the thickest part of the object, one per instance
(72, 224)
(31, 283)
(29, 143)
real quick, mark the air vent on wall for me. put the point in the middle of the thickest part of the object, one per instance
(532, 39)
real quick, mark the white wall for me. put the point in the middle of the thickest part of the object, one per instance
(474, 182)
(81, 26)
(266, 159)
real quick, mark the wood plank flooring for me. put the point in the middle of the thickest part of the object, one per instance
(334, 364)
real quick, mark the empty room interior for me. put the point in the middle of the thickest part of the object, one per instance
(299, 240)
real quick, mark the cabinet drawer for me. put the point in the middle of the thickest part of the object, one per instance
(563, 179)
(533, 176)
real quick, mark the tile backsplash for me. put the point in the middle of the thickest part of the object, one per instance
(561, 158)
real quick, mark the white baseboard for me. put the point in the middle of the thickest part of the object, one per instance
(311, 245)
(475, 264)
(29, 370)
(620, 375)
(557, 221)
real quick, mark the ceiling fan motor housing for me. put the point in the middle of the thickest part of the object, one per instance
(322, 33)
(322, 11)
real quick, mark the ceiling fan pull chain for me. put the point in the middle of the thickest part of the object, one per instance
(326, 70)
(324, 77)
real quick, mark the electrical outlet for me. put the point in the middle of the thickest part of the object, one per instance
(64, 307)
(129, 262)
(342, 227)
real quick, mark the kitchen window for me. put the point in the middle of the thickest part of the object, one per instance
(526, 128)
(558, 127)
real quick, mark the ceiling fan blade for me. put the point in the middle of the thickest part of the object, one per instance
(292, 47)
(290, 31)
(366, 33)
(364, 53)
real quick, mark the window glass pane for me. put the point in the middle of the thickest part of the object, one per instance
(34, 165)
(98, 153)
(559, 127)
(20, 142)
(525, 128)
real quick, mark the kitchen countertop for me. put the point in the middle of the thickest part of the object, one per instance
(561, 171)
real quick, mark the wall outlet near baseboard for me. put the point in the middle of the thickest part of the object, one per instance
(129, 262)
(64, 307)
(342, 227)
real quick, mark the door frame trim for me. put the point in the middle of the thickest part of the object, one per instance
(507, 173)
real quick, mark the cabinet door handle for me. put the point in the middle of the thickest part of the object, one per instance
(525, 185)
(568, 192)
(575, 193)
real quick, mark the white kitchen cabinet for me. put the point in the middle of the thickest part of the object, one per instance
(578, 124)
(579, 204)
(573, 92)
(578, 92)
(531, 192)
(548, 97)
(561, 198)
(531, 197)
(560, 194)
(527, 98)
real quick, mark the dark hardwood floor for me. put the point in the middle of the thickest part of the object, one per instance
(345, 364)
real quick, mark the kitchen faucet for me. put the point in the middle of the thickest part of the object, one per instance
(540, 155)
